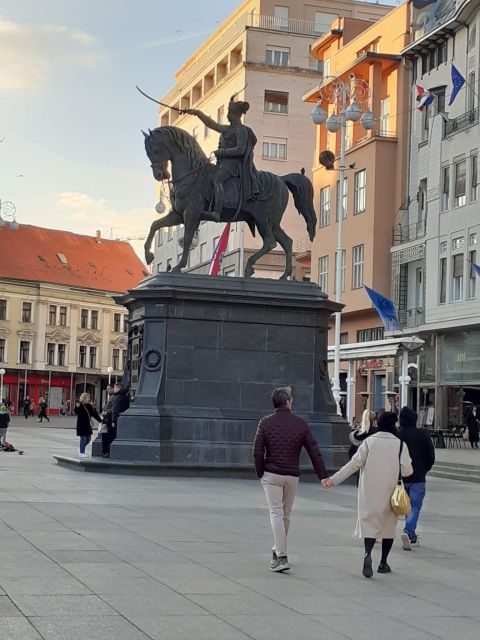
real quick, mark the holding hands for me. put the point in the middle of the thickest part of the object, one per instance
(327, 483)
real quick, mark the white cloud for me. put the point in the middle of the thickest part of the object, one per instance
(86, 214)
(29, 54)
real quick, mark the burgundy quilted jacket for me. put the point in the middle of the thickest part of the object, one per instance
(278, 444)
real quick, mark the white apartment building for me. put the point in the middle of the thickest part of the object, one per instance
(438, 228)
(262, 50)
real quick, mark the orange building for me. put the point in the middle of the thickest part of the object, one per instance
(374, 182)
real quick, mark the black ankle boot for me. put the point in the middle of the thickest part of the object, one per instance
(367, 566)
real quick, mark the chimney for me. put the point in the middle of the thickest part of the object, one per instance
(98, 236)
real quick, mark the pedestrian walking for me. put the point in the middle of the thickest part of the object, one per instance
(422, 452)
(26, 407)
(85, 413)
(278, 443)
(471, 423)
(42, 410)
(367, 428)
(378, 459)
(106, 428)
(121, 402)
(4, 422)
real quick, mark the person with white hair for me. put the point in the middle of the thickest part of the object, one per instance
(367, 428)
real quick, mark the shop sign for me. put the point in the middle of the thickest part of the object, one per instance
(375, 363)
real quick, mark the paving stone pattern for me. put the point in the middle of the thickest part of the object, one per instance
(93, 557)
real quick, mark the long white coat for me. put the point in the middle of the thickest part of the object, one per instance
(377, 460)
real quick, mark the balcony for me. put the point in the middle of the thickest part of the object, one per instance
(469, 119)
(410, 318)
(303, 245)
(284, 25)
(407, 233)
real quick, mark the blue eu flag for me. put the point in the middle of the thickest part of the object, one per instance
(458, 81)
(385, 310)
(476, 267)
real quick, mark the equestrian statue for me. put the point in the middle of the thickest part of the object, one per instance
(232, 190)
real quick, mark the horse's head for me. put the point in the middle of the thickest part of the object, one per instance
(158, 153)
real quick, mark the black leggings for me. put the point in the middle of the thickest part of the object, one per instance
(387, 544)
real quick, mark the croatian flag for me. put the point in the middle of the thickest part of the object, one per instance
(458, 81)
(424, 98)
(385, 310)
(219, 252)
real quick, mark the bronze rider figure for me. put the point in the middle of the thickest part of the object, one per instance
(234, 155)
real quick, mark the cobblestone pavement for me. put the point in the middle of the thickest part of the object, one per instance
(93, 557)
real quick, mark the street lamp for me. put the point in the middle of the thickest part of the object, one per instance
(109, 371)
(7, 214)
(346, 98)
(2, 373)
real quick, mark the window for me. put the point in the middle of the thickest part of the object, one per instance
(360, 191)
(326, 68)
(220, 114)
(441, 53)
(471, 91)
(369, 335)
(93, 357)
(83, 356)
(50, 354)
(457, 277)
(63, 316)
(24, 352)
(61, 350)
(2, 350)
(3, 309)
(345, 198)
(425, 123)
(472, 238)
(125, 324)
(445, 188)
(472, 38)
(344, 338)
(325, 206)
(160, 233)
(443, 281)
(281, 17)
(458, 243)
(385, 116)
(357, 266)
(439, 101)
(323, 274)
(323, 21)
(422, 201)
(278, 56)
(276, 102)
(52, 314)
(472, 275)
(116, 322)
(443, 246)
(418, 287)
(460, 175)
(206, 132)
(474, 178)
(26, 311)
(275, 150)
(84, 319)
(424, 63)
(94, 320)
(124, 359)
(116, 359)
(343, 272)
(160, 237)
(203, 251)
(432, 59)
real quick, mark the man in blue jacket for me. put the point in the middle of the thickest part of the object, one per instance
(422, 453)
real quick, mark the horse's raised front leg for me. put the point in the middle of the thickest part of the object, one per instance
(192, 217)
(170, 220)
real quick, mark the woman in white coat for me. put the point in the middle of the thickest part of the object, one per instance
(378, 459)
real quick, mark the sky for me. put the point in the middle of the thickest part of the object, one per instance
(71, 149)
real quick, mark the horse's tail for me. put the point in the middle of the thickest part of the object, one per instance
(302, 191)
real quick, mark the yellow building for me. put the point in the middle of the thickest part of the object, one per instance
(60, 328)
(263, 51)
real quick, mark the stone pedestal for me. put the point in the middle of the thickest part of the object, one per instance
(205, 354)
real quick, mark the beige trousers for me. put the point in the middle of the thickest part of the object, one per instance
(280, 493)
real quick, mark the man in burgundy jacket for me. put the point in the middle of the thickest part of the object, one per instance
(278, 443)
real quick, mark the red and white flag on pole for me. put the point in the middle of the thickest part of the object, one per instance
(219, 252)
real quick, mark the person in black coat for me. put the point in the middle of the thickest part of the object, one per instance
(422, 453)
(472, 423)
(26, 407)
(42, 413)
(85, 411)
(121, 402)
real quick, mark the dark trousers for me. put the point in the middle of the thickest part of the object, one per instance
(107, 439)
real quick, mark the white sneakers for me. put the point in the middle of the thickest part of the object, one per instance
(82, 455)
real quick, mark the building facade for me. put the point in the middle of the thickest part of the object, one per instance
(60, 328)
(436, 232)
(374, 187)
(262, 51)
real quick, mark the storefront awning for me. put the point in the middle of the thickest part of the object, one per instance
(376, 348)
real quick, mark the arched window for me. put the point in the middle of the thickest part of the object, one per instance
(472, 38)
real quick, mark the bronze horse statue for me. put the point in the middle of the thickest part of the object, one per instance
(191, 193)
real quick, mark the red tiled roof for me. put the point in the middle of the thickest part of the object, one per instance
(61, 257)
